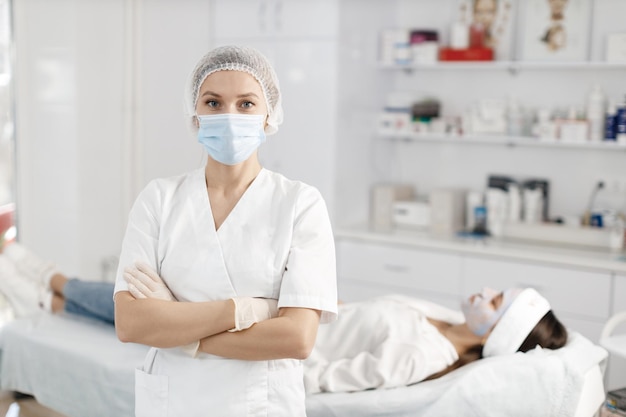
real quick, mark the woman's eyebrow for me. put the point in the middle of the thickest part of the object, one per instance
(247, 95)
(210, 93)
(214, 94)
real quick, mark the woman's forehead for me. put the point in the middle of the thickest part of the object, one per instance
(230, 81)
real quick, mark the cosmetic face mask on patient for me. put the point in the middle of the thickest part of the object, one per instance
(231, 138)
(479, 313)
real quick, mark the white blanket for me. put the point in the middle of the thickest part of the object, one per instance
(74, 365)
(539, 383)
(78, 367)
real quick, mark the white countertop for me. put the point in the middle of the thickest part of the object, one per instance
(586, 257)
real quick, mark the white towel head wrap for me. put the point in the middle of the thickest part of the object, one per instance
(516, 323)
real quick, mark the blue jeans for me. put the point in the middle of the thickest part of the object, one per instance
(90, 298)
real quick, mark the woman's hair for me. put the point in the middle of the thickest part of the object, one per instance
(549, 333)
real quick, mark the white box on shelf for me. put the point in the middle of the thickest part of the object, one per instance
(574, 131)
(412, 214)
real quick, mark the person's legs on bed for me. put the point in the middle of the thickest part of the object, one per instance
(77, 297)
(55, 292)
(90, 298)
(84, 298)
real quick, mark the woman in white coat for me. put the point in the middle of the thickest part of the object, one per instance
(232, 241)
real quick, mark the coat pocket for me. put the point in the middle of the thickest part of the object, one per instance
(151, 394)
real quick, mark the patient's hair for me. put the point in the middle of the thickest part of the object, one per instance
(549, 333)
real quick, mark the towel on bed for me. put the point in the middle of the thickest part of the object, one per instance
(539, 383)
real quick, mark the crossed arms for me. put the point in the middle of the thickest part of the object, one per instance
(145, 315)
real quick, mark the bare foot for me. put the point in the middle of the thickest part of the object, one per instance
(58, 303)
(57, 282)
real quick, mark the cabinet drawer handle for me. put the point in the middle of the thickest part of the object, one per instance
(396, 268)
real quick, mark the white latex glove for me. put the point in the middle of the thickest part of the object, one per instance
(191, 349)
(144, 282)
(249, 310)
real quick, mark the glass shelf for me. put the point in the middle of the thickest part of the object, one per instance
(512, 66)
(501, 140)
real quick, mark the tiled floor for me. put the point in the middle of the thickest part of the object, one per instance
(24, 407)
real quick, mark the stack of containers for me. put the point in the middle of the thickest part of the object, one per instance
(595, 114)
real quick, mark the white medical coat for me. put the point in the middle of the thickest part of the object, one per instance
(276, 243)
(384, 342)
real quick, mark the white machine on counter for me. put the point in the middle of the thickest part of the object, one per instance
(442, 213)
(412, 214)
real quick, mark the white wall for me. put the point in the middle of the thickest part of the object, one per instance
(70, 118)
(99, 112)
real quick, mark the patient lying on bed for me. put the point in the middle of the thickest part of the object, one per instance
(394, 340)
(385, 342)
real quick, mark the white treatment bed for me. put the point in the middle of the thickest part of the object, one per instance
(77, 367)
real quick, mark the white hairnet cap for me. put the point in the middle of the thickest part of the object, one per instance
(239, 58)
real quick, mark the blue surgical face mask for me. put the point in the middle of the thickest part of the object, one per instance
(480, 316)
(231, 138)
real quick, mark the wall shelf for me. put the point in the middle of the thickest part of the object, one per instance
(512, 66)
(502, 140)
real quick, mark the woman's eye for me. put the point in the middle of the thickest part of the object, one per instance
(247, 104)
(212, 103)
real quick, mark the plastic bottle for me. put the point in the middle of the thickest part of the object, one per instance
(596, 105)
(616, 236)
(497, 210)
(545, 128)
(459, 35)
(477, 35)
(515, 203)
(621, 122)
(533, 205)
(610, 122)
(474, 199)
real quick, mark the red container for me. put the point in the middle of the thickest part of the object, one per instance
(471, 54)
